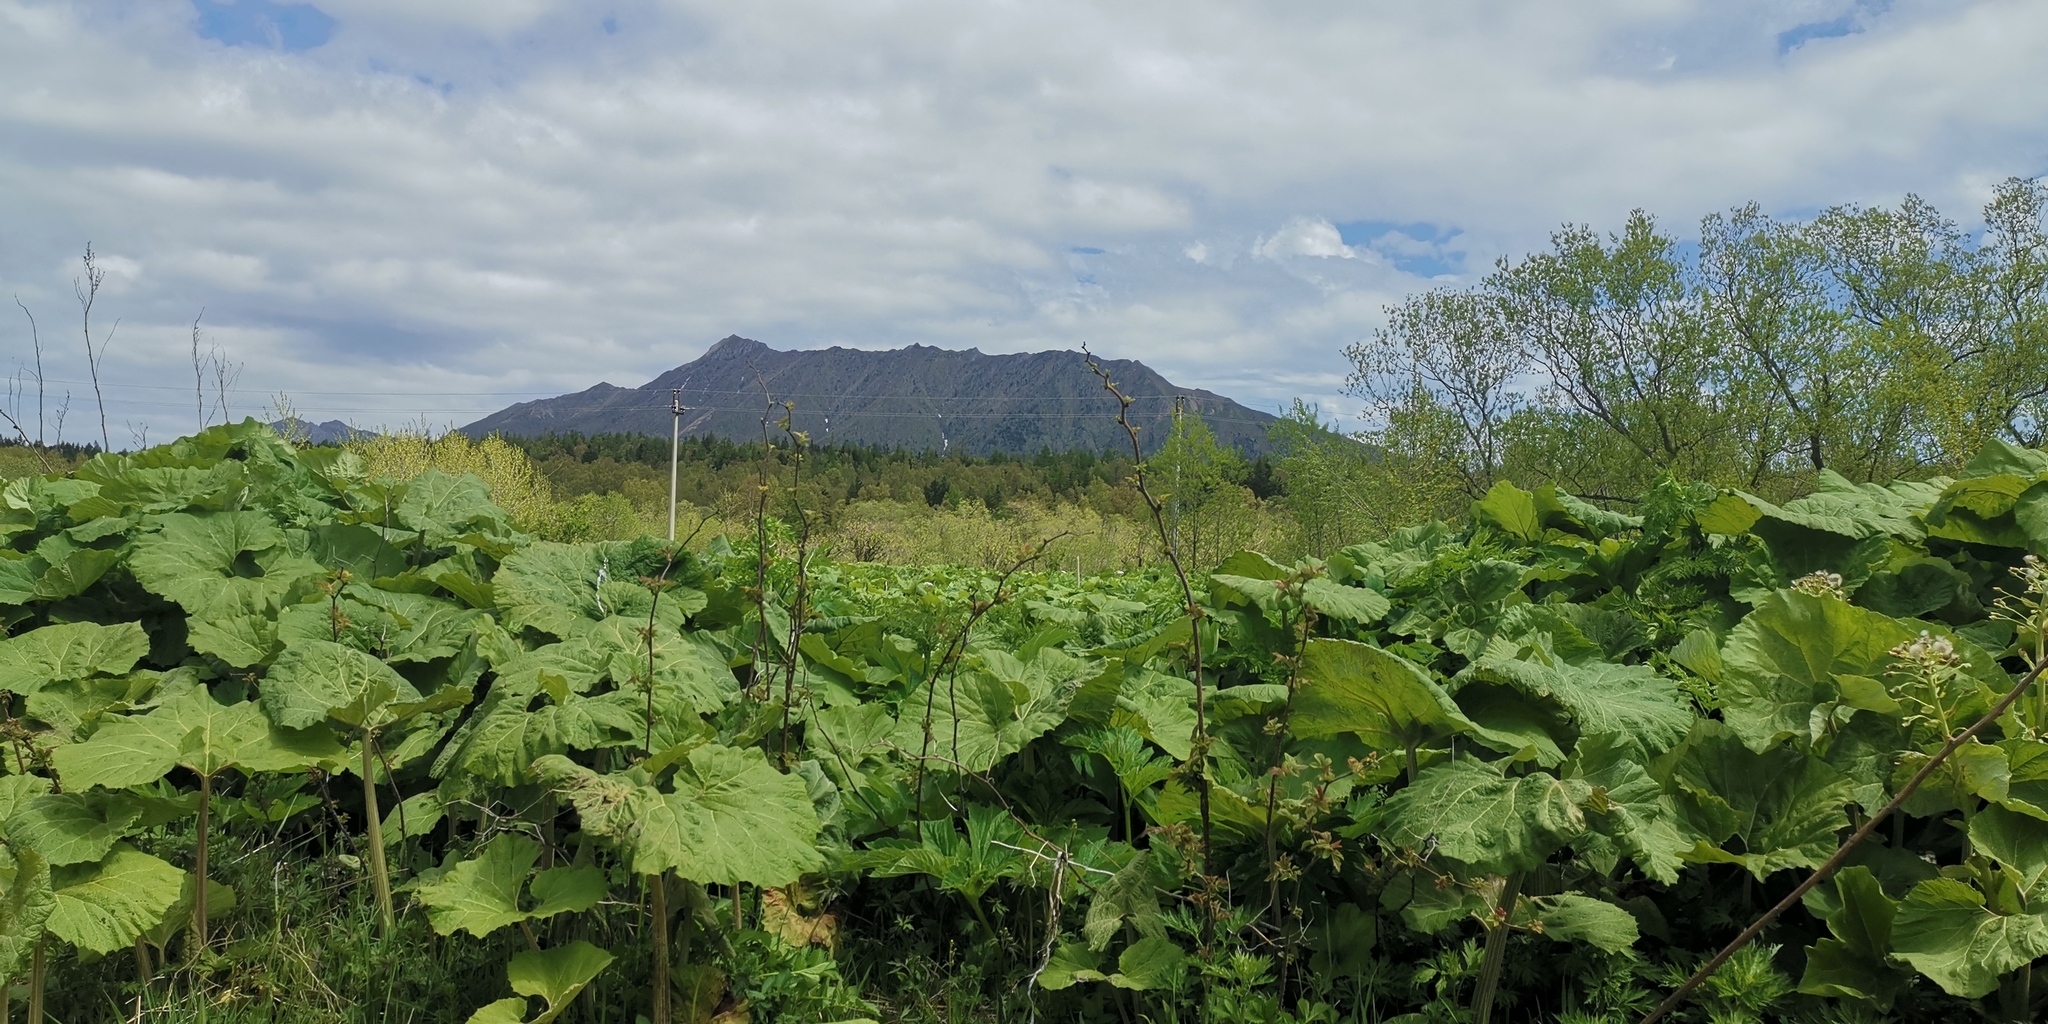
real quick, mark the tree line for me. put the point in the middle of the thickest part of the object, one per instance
(1873, 342)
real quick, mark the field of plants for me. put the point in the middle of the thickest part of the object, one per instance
(286, 741)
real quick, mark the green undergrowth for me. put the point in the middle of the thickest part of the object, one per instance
(1535, 765)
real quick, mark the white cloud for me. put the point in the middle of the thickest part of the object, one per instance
(1304, 236)
(469, 196)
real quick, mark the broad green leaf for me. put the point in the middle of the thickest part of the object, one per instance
(1618, 700)
(190, 730)
(71, 828)
(691, 676)
(1852, 964)
(988, 710)
(1127, 898)
(1510, 508)
(504, 737)
(555, 975)
(1355, 605)
(730, 816)
(549, 587)
(1784, 807)
(481, 895)
(1629, 809)
(1945, 931)
(220, 901)
(202, 563)
(2026, 777)
(1783, 659)
(1427, 906)
(1159, 707)
(16, 791)
(1263, 594)
(1571, 917)
(2018, 842)
(1523, 727)
(1253, 565)
(444, 508)
(1152, 962)
(413, 817)
(25, 910)
(429, 628)
(106, 906)
(241, 640)
(1388, 702)
(317, 679)
(1469, 812)
(73, 650)
(1069, 963)
(566, 890)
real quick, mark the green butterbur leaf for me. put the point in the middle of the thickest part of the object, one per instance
(1785, 807)
(482, 895)
(1150, 963)
(25, 910)
(106, 906)
(73, 650)
(1471, 813)
(318, 679)
(556, 976)
(198, 562)
(730, 816)
(71, 828)
(1782, 662)
(1852, 964)
(1570, 917)
(1126, 898)
(1386, 701)
(1944, 930)
(193, 731)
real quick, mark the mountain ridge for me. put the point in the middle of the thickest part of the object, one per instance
(916, 397)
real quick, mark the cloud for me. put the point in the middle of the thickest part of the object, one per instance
(482, 200)
(1304, 236)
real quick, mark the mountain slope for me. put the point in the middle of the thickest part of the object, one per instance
(917, 397)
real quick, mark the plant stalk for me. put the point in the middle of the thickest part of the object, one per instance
(1496, 950)
(1834, 863)
(199, 869)
(374, 838)
(660, 1010)
(38, 966)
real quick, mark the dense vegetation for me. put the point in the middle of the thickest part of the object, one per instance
(1534, 764)
(1877, 342)
(865, 504)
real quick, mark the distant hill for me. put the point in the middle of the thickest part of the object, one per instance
(917, 398)
(330, 432)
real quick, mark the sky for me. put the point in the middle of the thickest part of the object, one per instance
(419, 211)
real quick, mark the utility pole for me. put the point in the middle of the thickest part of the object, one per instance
(675, 454)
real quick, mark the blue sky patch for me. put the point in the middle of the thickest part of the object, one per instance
(1852, 23)
(1415, 248)
(1799, 35)
(1363, 232)
(289, 27)
(1086, 250)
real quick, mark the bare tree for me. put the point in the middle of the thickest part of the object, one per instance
(198, 371)
(225, 374)
(62, 411)
(36, 338)
(87, 291)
